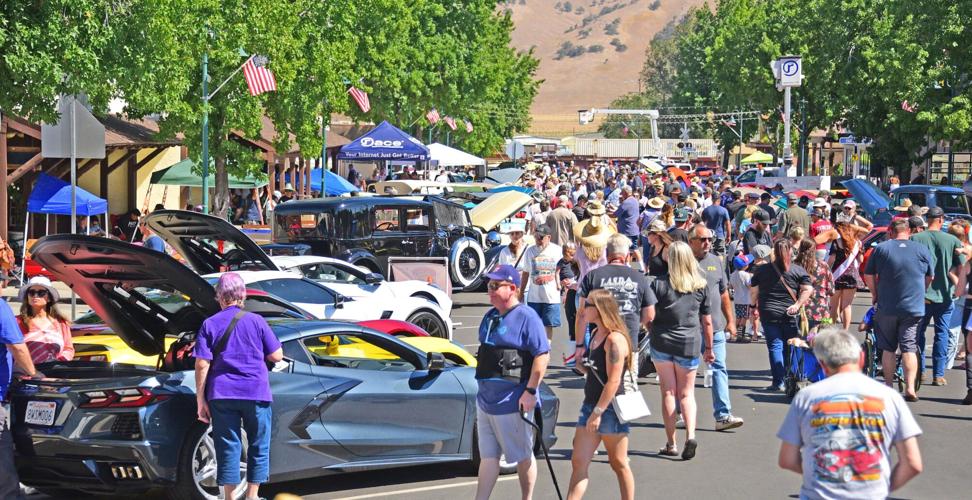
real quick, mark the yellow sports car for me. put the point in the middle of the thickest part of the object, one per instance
(337, 347)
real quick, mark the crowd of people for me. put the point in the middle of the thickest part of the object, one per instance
(657, 272)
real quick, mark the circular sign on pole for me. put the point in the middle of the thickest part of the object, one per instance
(791, 71)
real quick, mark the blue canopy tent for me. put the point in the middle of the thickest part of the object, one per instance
(385, 142)
(334, 184)
(52, 196)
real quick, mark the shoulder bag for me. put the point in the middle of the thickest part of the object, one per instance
(630, 405)
(804, 323)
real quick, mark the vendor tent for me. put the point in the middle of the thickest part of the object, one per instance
(334, 184)
(53, 196)
(757, 157)
(452, 157)
(181, 174)
(385, 142)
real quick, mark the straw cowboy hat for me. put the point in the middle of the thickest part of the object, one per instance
(906, 204)
(656, 202)
(596, 208)
(592, 234)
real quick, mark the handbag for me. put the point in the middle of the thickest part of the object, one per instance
(803, 326)
(630, 405)
(180, 357)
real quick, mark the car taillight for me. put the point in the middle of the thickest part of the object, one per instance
(120, 398)
(91, 357)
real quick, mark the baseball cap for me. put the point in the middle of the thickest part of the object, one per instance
(915, 222)
(762, 251)
(753, 195)
(682, 214)
(541, 231)
(935, 213)
(850, 203)
(505, 272)
(761, 216)
(741, 261)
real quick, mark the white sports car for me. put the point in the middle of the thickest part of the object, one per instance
(354, 281)
(210, 246)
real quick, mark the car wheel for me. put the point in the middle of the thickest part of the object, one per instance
(196, 475)
(466, 261)
(430, 322)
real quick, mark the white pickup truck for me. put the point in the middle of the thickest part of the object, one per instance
(770, 177)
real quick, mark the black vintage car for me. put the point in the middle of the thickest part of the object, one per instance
(367, 230)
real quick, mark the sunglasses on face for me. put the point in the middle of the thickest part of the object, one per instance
(496, 285)
(37, 293)
(704, 240)
(848, 209)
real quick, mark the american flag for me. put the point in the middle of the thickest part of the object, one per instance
(450, 121)
(905, 105)
(360, 97)
(469, 127)
(432, 116)
(259, 79)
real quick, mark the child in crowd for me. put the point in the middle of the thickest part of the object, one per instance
(740, 282)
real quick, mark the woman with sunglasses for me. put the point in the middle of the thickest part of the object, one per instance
(47, 333)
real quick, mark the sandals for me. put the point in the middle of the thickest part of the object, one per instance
(670, 450)
(689, 452)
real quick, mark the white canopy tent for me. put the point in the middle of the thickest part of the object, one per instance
(446, 156)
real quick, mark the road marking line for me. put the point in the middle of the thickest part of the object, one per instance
(418, 490)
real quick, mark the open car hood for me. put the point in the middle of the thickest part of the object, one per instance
(195, 236)
(873, 202)
(498, 207)
(111, 276)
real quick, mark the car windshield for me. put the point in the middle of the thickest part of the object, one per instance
(330, 273)
(341, 222)
(952, 203)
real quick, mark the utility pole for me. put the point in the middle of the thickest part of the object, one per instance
(205, 133)
(801, 167)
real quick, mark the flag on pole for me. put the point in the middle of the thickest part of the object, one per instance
(450, 121)
(259, 79)
(469, 127)
(907, 107)
(361, 98)
(432, 116)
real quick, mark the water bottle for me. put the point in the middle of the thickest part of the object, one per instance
(707, 379)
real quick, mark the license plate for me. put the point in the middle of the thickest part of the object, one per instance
(40, 412)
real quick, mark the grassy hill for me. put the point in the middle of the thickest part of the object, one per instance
(590, 52)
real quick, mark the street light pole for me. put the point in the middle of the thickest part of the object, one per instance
(205, 133)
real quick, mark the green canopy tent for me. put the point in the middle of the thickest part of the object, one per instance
(181, 174)
(757, 157)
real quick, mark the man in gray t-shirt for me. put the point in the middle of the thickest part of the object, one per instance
(723, 324)
(839, 432)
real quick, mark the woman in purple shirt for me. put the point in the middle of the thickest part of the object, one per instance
(232, 385)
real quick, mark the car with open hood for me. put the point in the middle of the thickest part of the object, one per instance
(210, 245)
(367, 231)
(100, 428)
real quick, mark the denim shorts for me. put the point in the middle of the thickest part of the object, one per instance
(609, 421)
(687, 363)
(549, 313)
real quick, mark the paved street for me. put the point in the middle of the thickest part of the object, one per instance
(735, 464)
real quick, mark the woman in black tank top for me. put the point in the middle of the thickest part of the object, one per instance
(608, 359)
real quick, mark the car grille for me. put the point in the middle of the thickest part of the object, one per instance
(126, 426)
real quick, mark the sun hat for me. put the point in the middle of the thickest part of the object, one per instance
(513, 226)
(40, 281)
(820, 203)
(595, 208)
(657, 226)
(592, 234)
(656, 202)
(505, 272)
(904, 206)
(289, 187)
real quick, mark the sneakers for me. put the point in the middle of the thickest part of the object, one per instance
(680, 422)
(730, 422)
(968, 398)
(776, 388)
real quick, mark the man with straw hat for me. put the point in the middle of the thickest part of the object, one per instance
(592, 235)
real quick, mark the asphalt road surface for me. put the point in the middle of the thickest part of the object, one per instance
(734, 464)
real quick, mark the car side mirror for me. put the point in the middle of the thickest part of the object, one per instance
(373, 278)
(436, 361)
(339, 301)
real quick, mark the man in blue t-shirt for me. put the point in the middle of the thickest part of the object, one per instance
(716, 218)
(898, 272)
(500, 401)
(12, 351)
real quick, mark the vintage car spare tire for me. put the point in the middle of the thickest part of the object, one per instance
(466, 261)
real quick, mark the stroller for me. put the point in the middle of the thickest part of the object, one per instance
(801, 367)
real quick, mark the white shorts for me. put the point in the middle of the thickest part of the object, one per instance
(505, 435)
